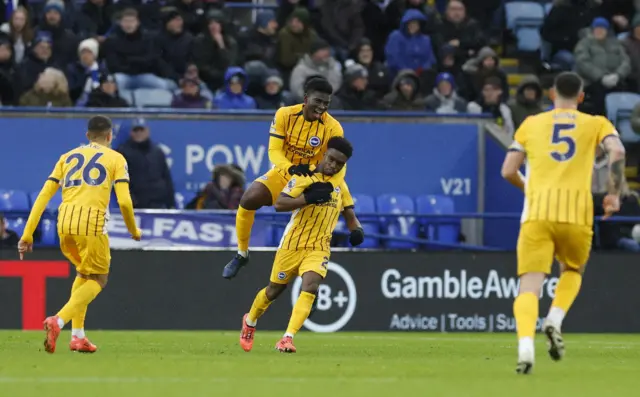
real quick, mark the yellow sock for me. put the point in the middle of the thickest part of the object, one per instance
(80, 299)
(525, 310)
(300, 312)
(260, 305)
(78, 320)
(244, 223)
(567, 290)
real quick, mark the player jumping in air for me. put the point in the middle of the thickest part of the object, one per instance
(559, 148)
(304, 248)
(86, 175)
(297, 141)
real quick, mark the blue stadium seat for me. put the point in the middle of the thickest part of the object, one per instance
(365, 204)
(127, 95)
(53, 204)
(398, 226)
(619, 107)
(525, 18)
(14, 200)
(16, 225)
(274, 233)
(183, 198)
(444, 230)
(49, 232)
(547, 8)
(152, 98)
(529, 39)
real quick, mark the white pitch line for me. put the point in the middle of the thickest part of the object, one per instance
(186, 380)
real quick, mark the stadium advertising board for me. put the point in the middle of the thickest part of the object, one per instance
(388, 156)
(381, 291)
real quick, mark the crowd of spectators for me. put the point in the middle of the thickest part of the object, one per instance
(431, 55)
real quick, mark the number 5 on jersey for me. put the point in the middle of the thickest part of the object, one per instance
(559, 139)
(87, 169)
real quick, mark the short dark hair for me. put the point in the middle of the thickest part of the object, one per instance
(318, 84)
(129, 12)
(342, 145)
(568, 85)
(99, 127)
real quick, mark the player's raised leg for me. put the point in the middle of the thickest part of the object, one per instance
(310, 284)
(257, 196)
(261, 303)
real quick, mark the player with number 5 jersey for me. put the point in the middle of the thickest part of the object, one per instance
(559, 148)
(86, 175)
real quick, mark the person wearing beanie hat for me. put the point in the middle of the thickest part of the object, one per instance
(444, 99)
(273, 96)
(355, 93)
(294, 39)
(318, 62)
(528, 100)
(65, 42)
(408, 47)
(84, 74)
(259, 43)
(174, 43)
(632, 45)
(106, 94)
(191, 11)
(603, 64)
(214, 51)
(39, 57)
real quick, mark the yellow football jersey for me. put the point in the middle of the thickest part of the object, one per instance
(560, 150)
(304, 142)
(311, 227)
(86, 176)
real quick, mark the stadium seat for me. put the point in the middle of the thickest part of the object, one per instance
(183, 198)
(152, 98)
(127, 95)
(13, 200)
(398, 226)
(49, 232)
(528, 39)
(619, 107)
(547, 8)
(525, 18)
(16, 225)
(365, 204)
(444, 230)
(53, 204)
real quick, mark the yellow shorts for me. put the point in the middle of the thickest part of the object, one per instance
(539, 241)
(89, 254)
(289, 263)
(275, 180)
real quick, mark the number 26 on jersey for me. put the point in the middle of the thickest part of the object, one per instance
(89, 169)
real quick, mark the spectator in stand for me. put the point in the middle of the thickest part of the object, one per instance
(51, 89)
(65, 42)
(485, 12)
(614, 235)
(192, 12)
(7, 72)
(342, 25)
(174, 43)
(461, 32)
(223, 192)
(260, 43)
(190, 97)
(408, 48)
(379, 81)
(562, 27)
(149, 12)
(84, 75)
(295, 39)
(287, 7)
(8, 238)
(355, 93)
(274, 96)
(632, 46)
(95, 19)
(444, 99)
(233, 96)
(20, 31)
(620, 13)
(214, 51)
(106, 94)
(528, 100)
(193, 74)
(150, 183)
(378, 24)
(603, 64)
(8, 8)
(491, 102)
(39, 57)
(318, 62)
(477, 70)
(397, 8)
(405, 94)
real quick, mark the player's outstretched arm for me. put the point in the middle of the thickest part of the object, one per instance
(48, 190)
(356, 237)
(511, 168)
(126, 208)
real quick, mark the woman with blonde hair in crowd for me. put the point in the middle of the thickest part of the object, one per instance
(51, 89)
(20, 30)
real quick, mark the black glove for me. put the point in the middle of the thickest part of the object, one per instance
(356, 237)
(300, 170)
(318, 193)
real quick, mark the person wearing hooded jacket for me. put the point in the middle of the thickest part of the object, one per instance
(233, 96)
(528, 100)
(408, 48)
(478, 70)
(295, 39)
(65, 42)
(273, 95)
(318, 62)
(444, 99)
(405, 94)
(354, 93)
(223, 192)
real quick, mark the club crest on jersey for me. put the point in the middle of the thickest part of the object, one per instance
(282, 275)
(337, 189)
(314, 141)
(291, 184)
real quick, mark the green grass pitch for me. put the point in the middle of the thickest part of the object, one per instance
(193, 364)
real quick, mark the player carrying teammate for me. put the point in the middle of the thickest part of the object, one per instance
(297, 141)
(86, 175)
(559, 148)
(304, 248)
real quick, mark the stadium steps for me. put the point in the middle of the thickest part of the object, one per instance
(509, 65)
